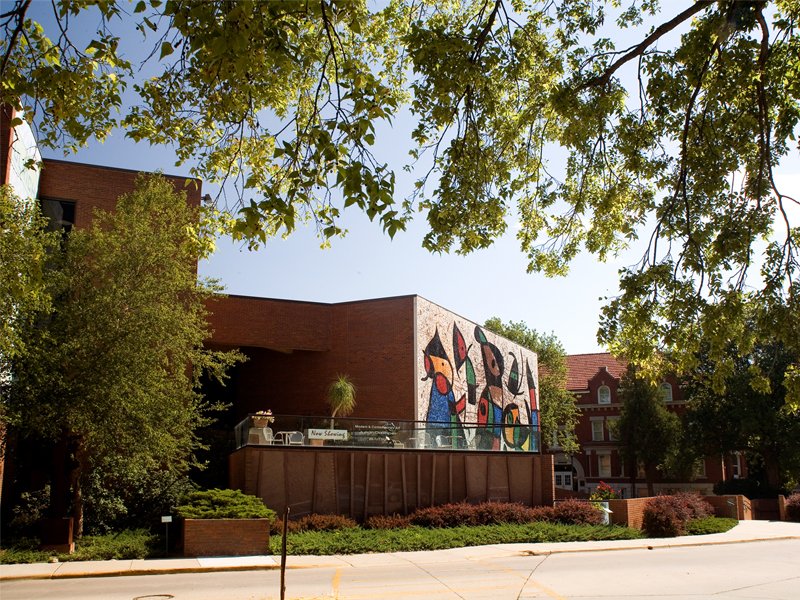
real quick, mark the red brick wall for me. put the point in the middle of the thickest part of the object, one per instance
(743, 508)
(266, 323)
(225, 537)
(628, 513)
(371, 341)
(91, 186)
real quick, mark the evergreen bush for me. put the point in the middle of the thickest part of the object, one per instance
(222, 504)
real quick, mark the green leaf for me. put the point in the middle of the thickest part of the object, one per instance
(166, 50)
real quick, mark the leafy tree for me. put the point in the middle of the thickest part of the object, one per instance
(747, 417)
(115, 365)
(646, 432)
(285, 98)
(558, 414)
(23, 248)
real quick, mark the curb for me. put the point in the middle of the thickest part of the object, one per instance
(658, 546)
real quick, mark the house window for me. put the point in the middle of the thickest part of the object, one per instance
(665, 390)
(700, 469)
(736, 464)
(604, 465)
(61, 214)
(611, 437)
(597, 431)
(604, 395)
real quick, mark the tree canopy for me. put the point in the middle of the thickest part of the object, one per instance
(754, 422)
(114, 367)
(646, 432)
(674, 139)
(23, 248)
(558, 414)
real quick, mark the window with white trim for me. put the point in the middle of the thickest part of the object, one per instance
(665, 390)
(604, 395)
(597, 431)
(736, 465)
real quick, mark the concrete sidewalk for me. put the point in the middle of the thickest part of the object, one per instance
(745, 531)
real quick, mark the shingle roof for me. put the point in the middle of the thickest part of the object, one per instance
(582, 367)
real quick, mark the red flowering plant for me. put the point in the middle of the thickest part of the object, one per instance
(605, 492)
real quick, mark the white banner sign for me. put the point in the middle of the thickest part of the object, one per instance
(327, 434)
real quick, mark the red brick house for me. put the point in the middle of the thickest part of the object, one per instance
(594, 379)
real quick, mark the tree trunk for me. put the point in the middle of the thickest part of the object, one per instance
(632, 468)
(61, 480)
(82, 458)
(650, 475)
(771, 468)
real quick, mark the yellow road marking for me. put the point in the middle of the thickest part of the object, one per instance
(546, 590)
(336, 582)
(431, 592)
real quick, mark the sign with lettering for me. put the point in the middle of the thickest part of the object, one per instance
(327, 434)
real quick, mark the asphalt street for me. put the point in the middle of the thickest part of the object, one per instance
(742, 571)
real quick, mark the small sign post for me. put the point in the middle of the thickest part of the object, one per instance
(166, 521)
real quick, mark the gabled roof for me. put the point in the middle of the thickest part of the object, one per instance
(583, 367)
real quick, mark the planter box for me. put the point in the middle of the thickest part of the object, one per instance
(225, 537)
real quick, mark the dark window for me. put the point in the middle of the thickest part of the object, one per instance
(61, 214)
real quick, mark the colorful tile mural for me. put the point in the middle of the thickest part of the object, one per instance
(472, 382)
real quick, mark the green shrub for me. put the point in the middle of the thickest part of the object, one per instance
(708, 525)
(125, 545)
(793, 508)
(222, 504)
(29, 513)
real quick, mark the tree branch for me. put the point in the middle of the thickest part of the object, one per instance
(639, 50)
(20, 12)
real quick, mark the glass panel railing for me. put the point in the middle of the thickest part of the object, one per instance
(396, 434)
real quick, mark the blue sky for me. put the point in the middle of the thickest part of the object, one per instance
(368, 264)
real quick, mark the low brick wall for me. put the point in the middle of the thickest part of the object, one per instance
(225, 537)
(629, 513)
(741, 510)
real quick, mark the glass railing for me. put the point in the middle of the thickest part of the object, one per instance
(396, 434)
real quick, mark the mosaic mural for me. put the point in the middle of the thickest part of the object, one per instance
(472, 382)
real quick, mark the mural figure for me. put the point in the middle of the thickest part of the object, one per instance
(501, 417)
(490, 409)
(514, 384)
(442, 407)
